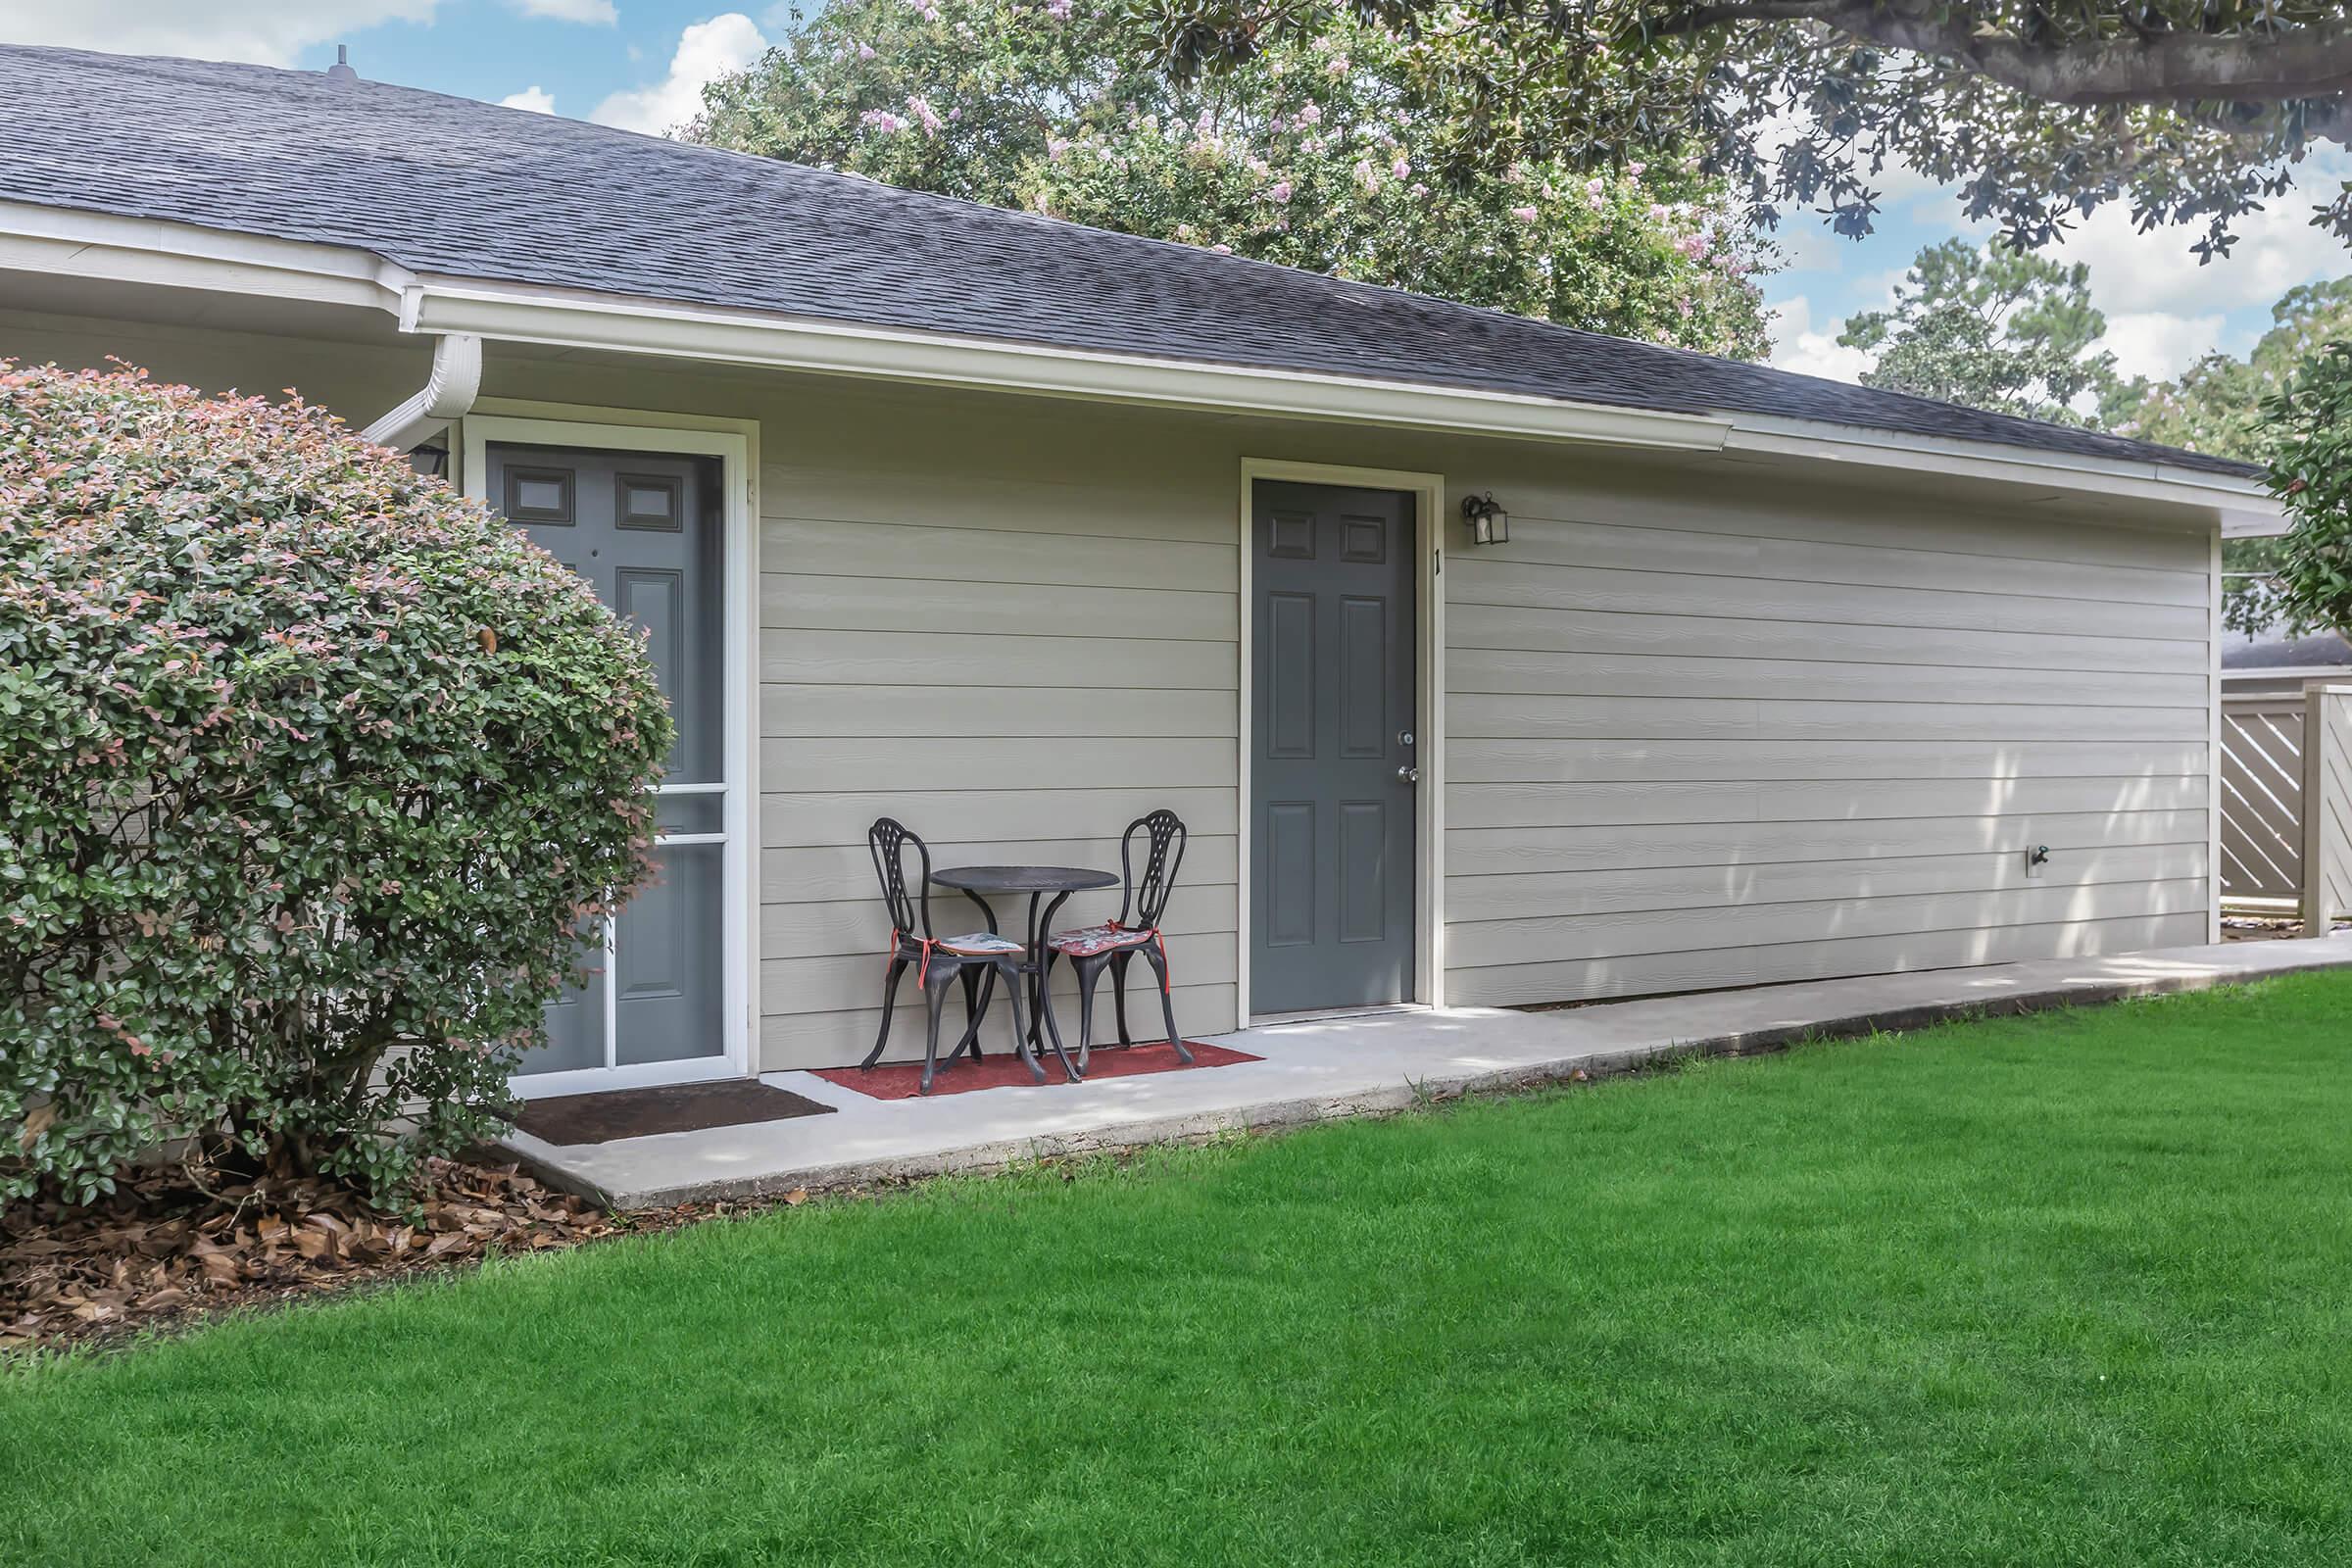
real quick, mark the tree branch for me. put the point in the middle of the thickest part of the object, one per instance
(2314, 61)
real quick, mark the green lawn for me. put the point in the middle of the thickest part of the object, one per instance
(2054, 1290)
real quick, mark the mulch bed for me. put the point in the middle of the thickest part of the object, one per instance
(160, 1254)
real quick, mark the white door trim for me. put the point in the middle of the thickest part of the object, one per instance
(736, 444)
(1428, 490)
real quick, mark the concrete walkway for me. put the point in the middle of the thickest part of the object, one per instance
(1362, 1065)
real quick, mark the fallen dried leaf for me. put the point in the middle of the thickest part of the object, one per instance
(38, 1120)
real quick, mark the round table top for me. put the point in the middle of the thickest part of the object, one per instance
(1023, 878)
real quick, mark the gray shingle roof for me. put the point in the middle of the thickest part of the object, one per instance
(449, 186)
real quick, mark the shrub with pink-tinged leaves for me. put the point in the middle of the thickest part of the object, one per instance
(313, 778)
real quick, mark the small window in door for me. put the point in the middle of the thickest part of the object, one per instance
(652, 502)
(539, 495)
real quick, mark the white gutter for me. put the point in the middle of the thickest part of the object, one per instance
(448, 394)
(83, 244)
(73, 243)
(2248, 509)
(568, 319)
(575, 319)
(2287, 672)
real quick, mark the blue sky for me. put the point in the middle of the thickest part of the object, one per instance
(640, 64)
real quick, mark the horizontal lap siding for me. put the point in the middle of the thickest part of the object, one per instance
(1704, 725)
(1014, 642)
(1702, 739)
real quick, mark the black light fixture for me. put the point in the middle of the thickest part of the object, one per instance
(1489, 523)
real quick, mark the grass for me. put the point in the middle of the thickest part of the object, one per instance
(2062, 1290)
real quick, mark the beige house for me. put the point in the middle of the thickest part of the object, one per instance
(1014, 530)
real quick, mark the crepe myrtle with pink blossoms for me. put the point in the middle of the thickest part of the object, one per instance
(1348, 150)
(315, 781)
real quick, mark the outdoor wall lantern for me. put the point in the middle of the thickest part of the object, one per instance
(1489, 523)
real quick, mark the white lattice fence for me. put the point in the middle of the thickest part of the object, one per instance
(2261, 797)
(2327, 807)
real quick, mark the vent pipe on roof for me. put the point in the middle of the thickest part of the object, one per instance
(341, 69)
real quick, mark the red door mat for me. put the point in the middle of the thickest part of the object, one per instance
(1000, 1069)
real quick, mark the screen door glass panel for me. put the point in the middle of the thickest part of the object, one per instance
(645, 530)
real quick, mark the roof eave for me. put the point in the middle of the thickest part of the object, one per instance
(80, 243)
(2248, 509)
(571, 319)
(580, 319)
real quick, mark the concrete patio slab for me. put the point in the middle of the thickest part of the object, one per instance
(1353, 1066)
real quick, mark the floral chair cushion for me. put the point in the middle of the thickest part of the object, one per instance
(1094, 939)
(979, 945)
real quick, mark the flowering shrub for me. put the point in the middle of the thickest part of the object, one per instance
(1351, 151)
(312, 777)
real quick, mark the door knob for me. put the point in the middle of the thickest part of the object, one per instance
(1408, 774)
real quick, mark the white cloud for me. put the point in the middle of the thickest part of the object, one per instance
(2277, 249)
(594, 13)
(706, 50)
(1797, 346)
(2156, 273)
(2158, 344)
(266, 32)
(535, 98)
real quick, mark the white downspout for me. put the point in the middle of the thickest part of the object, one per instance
(447, 394)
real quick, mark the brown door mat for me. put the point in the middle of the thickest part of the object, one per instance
(572, 1120)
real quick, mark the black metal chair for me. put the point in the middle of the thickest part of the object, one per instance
(978, 958)
(1113, 946)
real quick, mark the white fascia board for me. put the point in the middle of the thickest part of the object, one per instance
(70, 242)
(2247, 507)
(563, 320)
(2288, 672)
(77, 243)
(2256, 521)
(570, 318)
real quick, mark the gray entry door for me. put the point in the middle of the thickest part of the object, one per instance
(1332, 818)
(647, 531)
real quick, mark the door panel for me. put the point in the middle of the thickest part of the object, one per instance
(1289, 836)
(1363, 677)
(645, 529)
(1363, 870)
(1290, 652)
(1332, 822)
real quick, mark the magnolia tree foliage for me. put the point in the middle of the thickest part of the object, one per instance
(2215, 405)
(311, 778)
(1334, 149)
(1994, 329)
(2192, 111)
(2310, 442)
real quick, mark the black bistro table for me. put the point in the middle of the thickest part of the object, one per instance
(1042, 883)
